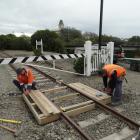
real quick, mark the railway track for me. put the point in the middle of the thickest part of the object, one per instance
(52, 82)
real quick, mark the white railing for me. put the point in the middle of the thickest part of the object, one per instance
(94, 57)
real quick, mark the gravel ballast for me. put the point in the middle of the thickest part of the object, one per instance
(13, 107)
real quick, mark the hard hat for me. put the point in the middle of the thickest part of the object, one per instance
(19, 70)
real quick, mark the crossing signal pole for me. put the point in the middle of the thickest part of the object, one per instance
(100, 26)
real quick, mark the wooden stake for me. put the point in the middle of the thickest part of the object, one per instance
(7, 128)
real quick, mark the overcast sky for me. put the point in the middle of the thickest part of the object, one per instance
(121, 17)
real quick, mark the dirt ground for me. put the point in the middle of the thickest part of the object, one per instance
(24, 53)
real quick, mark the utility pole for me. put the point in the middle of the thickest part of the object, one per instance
(100, 26)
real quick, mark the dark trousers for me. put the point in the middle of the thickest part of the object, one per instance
(117, 92)
(17, 84)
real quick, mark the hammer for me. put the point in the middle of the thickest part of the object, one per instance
(16, 133)
(7, 128)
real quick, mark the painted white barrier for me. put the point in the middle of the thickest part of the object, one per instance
(39, 43)
(94, 57)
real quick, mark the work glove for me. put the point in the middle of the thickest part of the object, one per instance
(26, 92)
(22, 87)
(29, 87)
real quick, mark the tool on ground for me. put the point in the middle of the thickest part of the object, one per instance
(10, 121)
(125, 80)
(18, 132)
(14, 94)
(99, 94)
(7, 128)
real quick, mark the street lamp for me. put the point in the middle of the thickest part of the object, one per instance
(100, 26)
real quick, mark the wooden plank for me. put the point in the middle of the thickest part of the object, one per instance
(43, 103)
(56, 89)
(42, 80)
(41, 118)
(76, 105)
(80, 110)
(40, 104)
(65, 97)
(104, 98)
(93, 92)
(48, 119)
(46, 102)
(31, 108)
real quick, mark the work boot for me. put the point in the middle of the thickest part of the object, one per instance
(116, 103)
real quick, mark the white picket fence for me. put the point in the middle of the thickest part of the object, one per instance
(95, 58)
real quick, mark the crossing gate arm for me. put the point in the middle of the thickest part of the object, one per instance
(38, 58)
(131, 60)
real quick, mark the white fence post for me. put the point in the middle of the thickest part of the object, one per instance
(36, 44)
(40, 43)
(54, 64)
(111, 44)
(88, 50)
(41, 46)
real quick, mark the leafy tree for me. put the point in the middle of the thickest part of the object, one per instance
(10, 41)
(3, 42)
(51, 40)
(22, 43)
(68, 34)
(71, 37)
(134, 40)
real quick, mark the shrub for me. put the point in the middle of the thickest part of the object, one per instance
(37, 52)
(100, 68)
(79, 65)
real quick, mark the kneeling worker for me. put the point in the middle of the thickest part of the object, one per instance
(25, 80)
(116, 75)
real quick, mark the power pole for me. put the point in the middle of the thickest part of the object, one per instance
(100, 27)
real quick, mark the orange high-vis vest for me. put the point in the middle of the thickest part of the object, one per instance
(28, 78)
(109, 68)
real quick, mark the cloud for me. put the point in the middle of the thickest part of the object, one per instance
(121, 17)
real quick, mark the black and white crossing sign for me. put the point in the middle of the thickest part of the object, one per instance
(38, 58)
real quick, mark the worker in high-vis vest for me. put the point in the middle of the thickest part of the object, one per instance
(25, 80)
(116, 74)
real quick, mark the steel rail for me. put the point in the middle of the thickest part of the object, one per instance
(109, 109)
(121, 116)
(64, 115)
(81, 132)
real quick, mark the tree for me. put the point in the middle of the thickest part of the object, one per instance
(10, 41)
(134, 40)
(51, 40)
(68, 34)
(71, 37)
(2, 42)
(22, 43)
